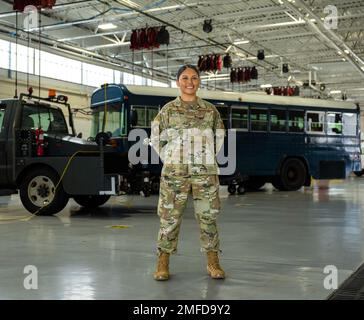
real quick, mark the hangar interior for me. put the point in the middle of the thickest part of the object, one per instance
(275, 244)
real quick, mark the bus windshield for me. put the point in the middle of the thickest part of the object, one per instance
(114, 122)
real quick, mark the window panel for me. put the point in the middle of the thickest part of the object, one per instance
(50, 120)
(57, 67)
(151, 114)
(259, 119)
(22, 58)
(4, 54)
(96, 76)
(141, 114)
(117, 75)
(224, 114)
(349, 124)
(239, 118)
(155, 83)
(296, 121)
(2, 115)
(315, 122)
(138, 80)
(128, 78)
(334, 123)
(277, 120)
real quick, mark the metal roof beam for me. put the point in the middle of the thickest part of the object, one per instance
(56, 7)
(327, 34)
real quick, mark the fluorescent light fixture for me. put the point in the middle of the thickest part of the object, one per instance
(280, 1)
(362, 68)
(216, 79)
(228, 49)
(111, 45)
(241, 42)
(343, 59)
(339, 52)
(107, 26)
(346, 51)
(178, 6)
(222, 75)
(130, 3)
(266, 86)
(335, 91)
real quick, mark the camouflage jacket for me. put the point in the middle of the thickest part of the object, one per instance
(188, 137)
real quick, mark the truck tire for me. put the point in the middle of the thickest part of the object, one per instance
(293, 174)
(92, 201)
(38, 194)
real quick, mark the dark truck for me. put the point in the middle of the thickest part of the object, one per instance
(45, 163)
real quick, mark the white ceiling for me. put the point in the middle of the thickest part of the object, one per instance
(290, 32)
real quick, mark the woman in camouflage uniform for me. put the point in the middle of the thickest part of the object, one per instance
(183, 126)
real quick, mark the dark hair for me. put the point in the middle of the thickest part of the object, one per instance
(187, 66)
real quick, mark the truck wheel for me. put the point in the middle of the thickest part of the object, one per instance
(38, 194)
(91, 201)
(293, 174)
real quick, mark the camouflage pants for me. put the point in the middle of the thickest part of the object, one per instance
(174, 191)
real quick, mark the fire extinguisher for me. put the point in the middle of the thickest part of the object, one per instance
(39, 139)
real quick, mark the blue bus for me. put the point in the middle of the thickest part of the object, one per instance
(281, 140)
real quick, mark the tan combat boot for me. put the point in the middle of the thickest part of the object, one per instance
(162, 272)
(213, 266)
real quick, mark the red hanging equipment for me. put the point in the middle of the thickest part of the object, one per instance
(40, 4)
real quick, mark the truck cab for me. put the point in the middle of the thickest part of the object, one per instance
(41, 158)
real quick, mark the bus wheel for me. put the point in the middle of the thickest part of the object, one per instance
(91, 201)
(277, 183)
(241, 189)
(231, 189)
(359, 173)
(293, 174)
(254, 185)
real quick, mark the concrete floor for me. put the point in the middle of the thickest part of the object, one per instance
(275, 246)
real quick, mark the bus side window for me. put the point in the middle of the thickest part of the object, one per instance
(2, 115)
(239, 118)
(151, 114)
(259, 119)
(349, 124)
(334, 123)
(146, 115)
(224, 114)
(277, 120)
(296, 121)
(315, 121)
(141, 115)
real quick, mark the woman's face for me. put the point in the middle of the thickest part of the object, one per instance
(189, 82)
